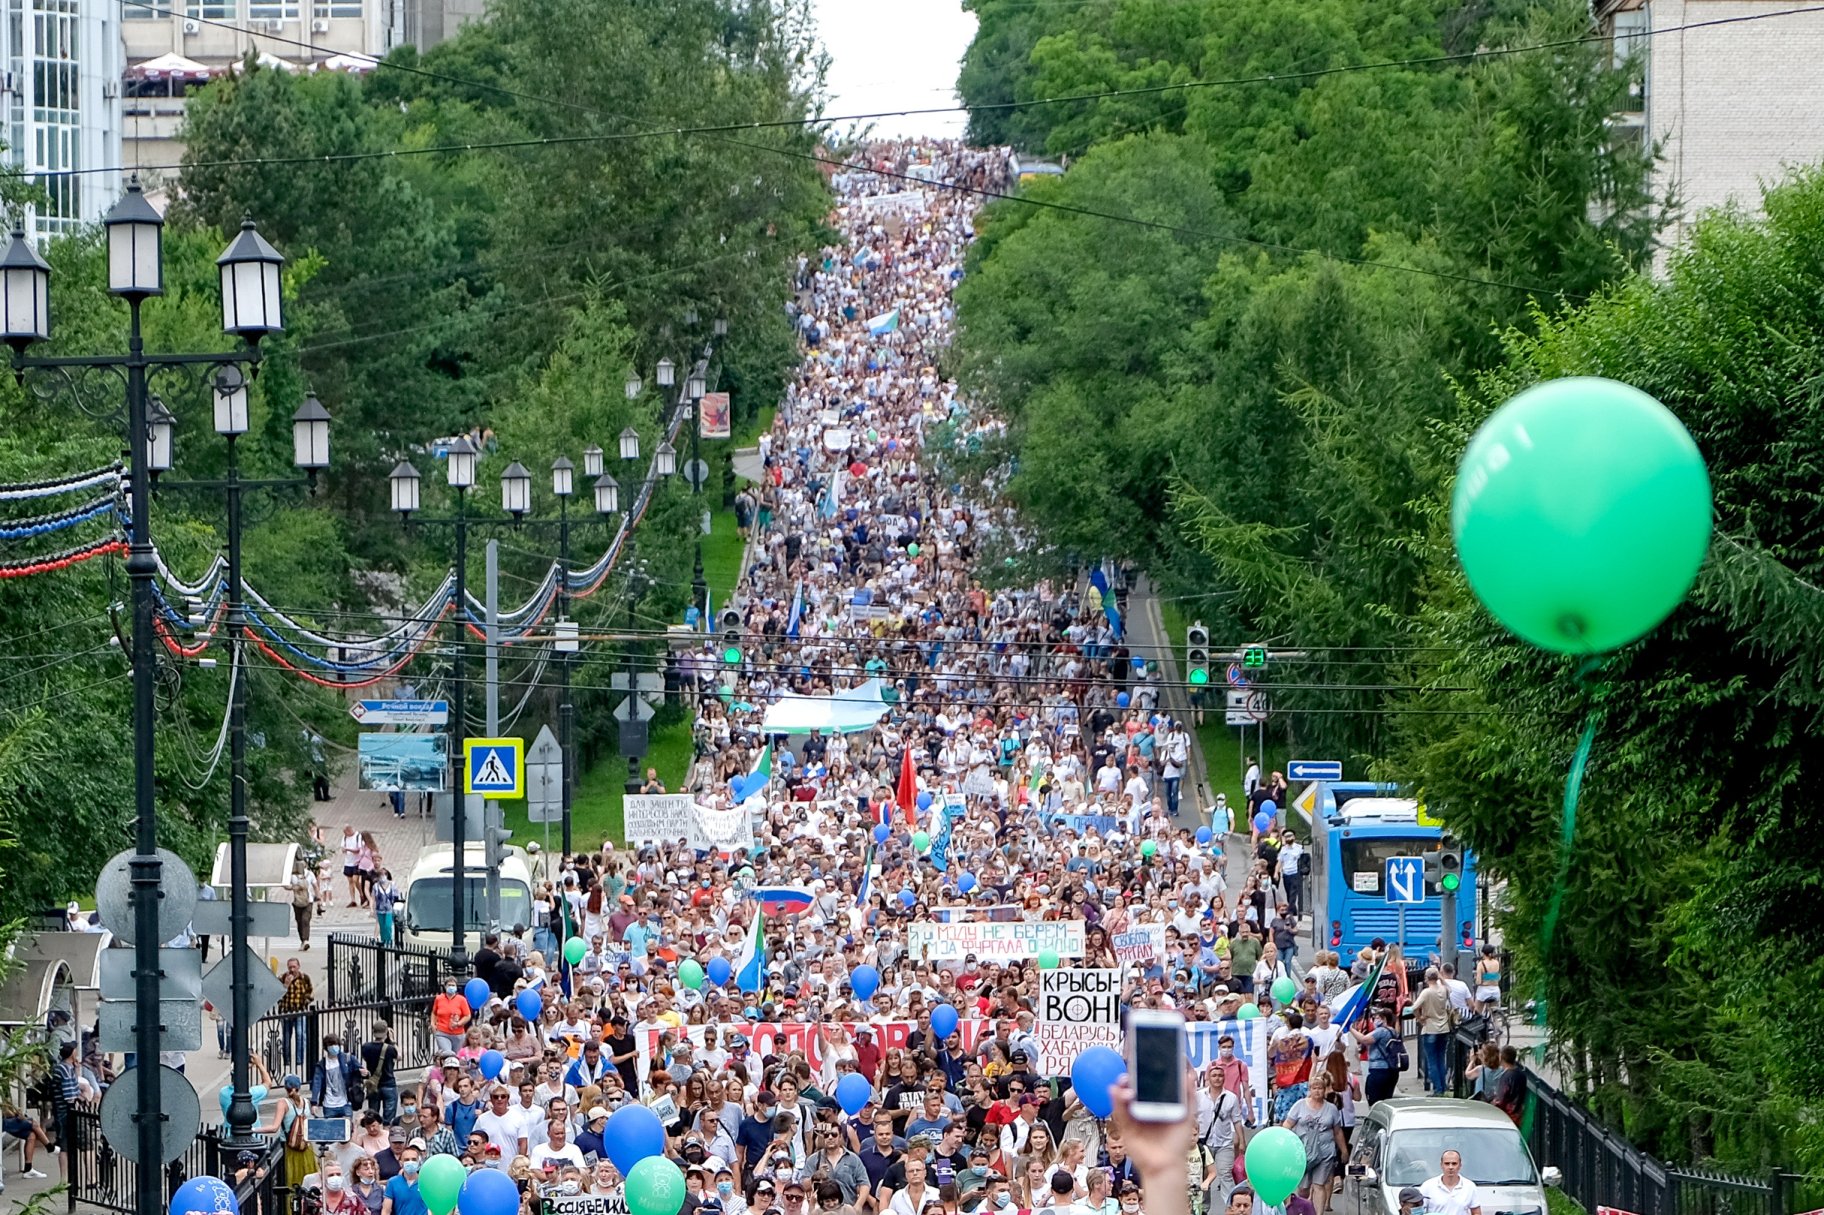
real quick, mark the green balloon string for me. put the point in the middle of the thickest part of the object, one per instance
(1573, 785)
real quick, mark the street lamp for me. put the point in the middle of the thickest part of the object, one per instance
(159, 423)
(721, 326)
(633, 387)
(699, 473)
(665, 460)
(516, 491)
(592, 461)
(252, 306)
(230, 393)
(665, 373)
(607, 495)
(310, 436)
(630, 444)
(404, 480)
(563, 478)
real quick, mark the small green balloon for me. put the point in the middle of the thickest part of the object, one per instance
(921, 842)
(1276, 1164)
(912, 549)
(1283, 990)
(574, 949)
(655, 1187)
(1148, 849)
(440, 1183)
(1048, 959)
(1581, 514)
(1247, 1012)
(690, 973)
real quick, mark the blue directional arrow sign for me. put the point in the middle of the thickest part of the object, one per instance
(494, 767)
(1406, 880)
(1314, 769)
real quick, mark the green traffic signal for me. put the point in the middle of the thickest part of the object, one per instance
(1450, 881)
(1254, 656)
(1200, 676)
(732, 655)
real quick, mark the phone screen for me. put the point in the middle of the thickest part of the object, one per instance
(1158, 1065)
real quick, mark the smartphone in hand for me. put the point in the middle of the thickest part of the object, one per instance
(1155, 1064)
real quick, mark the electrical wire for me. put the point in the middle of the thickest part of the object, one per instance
(221, 738)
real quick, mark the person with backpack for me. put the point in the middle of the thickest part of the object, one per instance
(1386, 1054)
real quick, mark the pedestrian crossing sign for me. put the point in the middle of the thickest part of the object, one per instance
(494, 767)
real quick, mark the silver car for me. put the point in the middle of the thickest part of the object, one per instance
(1398, 1142)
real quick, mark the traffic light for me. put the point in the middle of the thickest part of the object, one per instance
(495, 836)
(1197, 655)
(1450, 867)
(1434, 870)
(1254, 657)
(729, 620)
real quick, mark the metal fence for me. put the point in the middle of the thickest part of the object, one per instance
(366, 970)
(1601, 1168)
(102, 1179)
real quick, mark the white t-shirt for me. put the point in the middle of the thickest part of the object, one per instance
(568, 1154)
(1441, 1201)
(504, 1132)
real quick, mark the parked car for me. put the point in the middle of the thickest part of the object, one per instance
(1398, 1143)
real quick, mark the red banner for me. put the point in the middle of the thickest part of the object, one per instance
(781, 1038)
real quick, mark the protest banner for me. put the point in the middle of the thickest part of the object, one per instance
(1082, 824)
(1143, 945)
(1077, 1009)
(999, 941)
(781, 1038)
(1200, 1047)
(553, 1203)
(717, 422)
(652, 818)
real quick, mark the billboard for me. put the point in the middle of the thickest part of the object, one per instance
(408, 763)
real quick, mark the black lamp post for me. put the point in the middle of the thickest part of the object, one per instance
(251, 309)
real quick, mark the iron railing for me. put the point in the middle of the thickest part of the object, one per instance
(366, 970)
(102, 1179)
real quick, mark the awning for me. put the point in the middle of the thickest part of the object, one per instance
(267, 59)
(81, 951)
(169, 66)
(34, 991)
(857, 708)
(348, 63)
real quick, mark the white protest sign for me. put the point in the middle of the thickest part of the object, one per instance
(652, 818)
(1002, 942)
(1143, 944)
(1077, 1009)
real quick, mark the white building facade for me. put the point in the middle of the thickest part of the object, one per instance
(60, 109)
(1733, 105)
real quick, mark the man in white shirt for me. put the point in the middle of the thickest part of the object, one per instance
(503, 1126)
(1458, 991)
(557, 1147)
(1451, 1193)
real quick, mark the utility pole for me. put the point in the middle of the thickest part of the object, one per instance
(491, 809)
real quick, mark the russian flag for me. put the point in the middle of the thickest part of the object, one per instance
(782, 900)
(750, 965)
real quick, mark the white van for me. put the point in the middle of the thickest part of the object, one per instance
(1398, 1142)
(424, 912)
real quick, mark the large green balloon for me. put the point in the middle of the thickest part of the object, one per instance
(1283, 990)
(1276, 1164)
(690, 973)
(1048, 959)
(1581, 514)
(574, 949)
(655, 1187)
(921, 842)
(440, 1183)
(1247, 1012)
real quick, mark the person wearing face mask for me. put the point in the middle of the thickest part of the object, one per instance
(727, 1194)
(336, 1197)
(336, 1080)
(450, 1016)
(367, 1188)
(402, 1196)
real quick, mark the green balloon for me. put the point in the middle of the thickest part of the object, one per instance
(912, 550)
(921, 841)
(1247, 1012)
(1581, 514)
(1048, 959)
(656, 1187)
(690, 973)
(1283, 990)
(440, 1183)
(1276, 1164)
(574, 949)
(1148, 848)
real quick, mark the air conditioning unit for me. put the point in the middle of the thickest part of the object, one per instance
(319, 25)
(193, 27)
(110, 89)
(276, 25)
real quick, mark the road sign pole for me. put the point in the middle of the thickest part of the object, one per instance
(459, 732)
(566, 712)
(1402, 931)
(490, 809)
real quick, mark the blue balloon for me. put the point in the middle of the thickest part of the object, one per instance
(1123, 699)
(1263, 822)
(492, 1061)
(476, 992)
(632, 1134)
(853, 1092)
(530, 1004)
(924, 799)
(205, 1196)
(1205, 835)
(1267, 807)
(908, 898)
(1093, 1074)
(881, 832)
(718, 971)
(488, 1192)
(965, 884)
(943, 1020)
(864, 980)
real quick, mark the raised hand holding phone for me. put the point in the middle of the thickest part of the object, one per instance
(1156, 1066)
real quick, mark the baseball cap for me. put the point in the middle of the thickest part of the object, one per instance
(416, 1143)
(1411, 1197)
(396, 1134)
(451, 1061)
(247, 1158)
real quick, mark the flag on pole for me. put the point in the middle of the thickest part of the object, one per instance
(783, 900)
(750, 964)
(791, 625)
(867, 877)
(1352, 1005)
(906, 794)
(757, 779)
(886, 322)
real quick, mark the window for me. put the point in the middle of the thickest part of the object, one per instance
(427, 903)
(1492, 1155)
(141, 12)
(211, 10)
(1365, 860)
(272, 10)
(339, 8)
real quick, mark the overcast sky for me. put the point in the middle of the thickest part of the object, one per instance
(899, 55)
